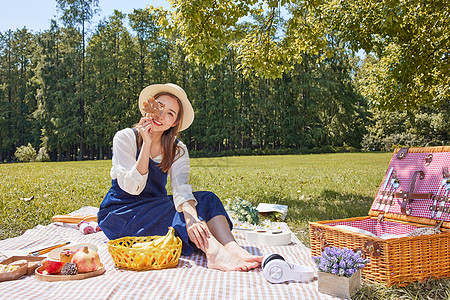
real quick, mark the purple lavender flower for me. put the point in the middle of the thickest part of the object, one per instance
(349, 272)
(341, 262)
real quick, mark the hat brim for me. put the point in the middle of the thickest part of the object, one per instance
(154, 89)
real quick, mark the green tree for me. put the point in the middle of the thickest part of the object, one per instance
(113, 80)
(147, 36)
(425, 126)
(410, 38)
(78, 14)
(17, 101)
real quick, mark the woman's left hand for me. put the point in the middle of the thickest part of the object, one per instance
(198, 233)
(197, 230)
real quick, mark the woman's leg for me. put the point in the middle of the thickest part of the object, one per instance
(219, 228)
(221, 258)
(222, 251)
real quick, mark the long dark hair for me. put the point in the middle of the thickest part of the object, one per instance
(169, 147)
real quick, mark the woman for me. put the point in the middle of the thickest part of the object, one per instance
(137, 204)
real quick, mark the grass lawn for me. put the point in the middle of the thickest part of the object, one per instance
(315, 187)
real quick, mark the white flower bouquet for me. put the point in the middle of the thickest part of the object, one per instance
(242, 210)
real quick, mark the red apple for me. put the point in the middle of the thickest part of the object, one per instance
(52, 266)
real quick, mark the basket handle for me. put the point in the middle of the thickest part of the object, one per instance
(372, 248)
(318, 233)
(419, 196)
(407, 197)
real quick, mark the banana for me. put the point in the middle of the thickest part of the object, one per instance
(169, 237)
(158, 241)
(141, 245)
(146, 245)
(175, 241)
(163, 240)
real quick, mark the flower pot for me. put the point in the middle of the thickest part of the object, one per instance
(339, 286)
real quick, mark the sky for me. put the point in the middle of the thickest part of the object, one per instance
(36, 14)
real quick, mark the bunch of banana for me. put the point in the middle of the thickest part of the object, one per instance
(162, 242)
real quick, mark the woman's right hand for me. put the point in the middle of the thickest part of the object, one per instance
(145, 127)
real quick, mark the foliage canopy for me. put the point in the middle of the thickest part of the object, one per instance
(410, 39)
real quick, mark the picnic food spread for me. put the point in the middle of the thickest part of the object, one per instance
(81, 261)
(153, 107)
(116, 283)
(146, 252)
(84, 263)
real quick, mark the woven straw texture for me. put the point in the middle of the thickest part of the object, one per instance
(400, 260)
(152, 258)
(404, 259)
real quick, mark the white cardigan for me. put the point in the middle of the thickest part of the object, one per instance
(131, 181)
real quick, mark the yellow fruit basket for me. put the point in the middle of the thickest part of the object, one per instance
(152, 257)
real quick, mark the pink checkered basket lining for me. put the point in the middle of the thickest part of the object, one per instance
(378, 228)
(405, 169)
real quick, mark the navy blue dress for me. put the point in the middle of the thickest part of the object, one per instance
(152, 211)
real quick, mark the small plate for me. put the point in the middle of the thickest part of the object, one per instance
(50, 277)
(32, 262)
(54, 254)
(22, 270)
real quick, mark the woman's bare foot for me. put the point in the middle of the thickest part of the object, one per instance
(240, 252)
(221, 258)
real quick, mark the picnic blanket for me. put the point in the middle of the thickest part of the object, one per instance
(191, 279)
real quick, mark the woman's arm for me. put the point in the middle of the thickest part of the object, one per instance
(145, 127)
(124, 163)
(184, 199)
(197, 231)
(179, 178)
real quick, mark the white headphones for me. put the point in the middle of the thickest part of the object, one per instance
(277, 270)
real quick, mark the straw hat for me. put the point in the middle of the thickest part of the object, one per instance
(154, 89)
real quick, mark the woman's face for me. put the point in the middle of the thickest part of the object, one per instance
(169, 114)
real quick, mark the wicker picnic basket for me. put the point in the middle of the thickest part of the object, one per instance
(153, 258)
(406, 234)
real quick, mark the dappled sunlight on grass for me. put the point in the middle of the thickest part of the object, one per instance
(315, 187)
(56, 188)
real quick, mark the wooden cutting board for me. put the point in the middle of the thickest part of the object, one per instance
(51, 277)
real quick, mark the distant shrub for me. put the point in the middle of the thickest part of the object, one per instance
(25, 153)
(390, 142)
(400, 140)
(42, 155)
